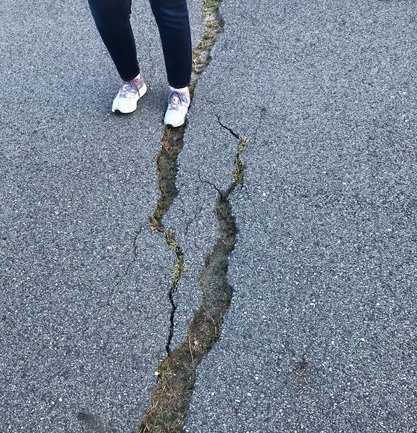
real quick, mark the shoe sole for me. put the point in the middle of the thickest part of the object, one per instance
(142, 92)
(175, 126)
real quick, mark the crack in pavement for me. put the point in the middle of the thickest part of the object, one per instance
(171, 398)
(171, 146)
(191, 220)
(227, 128)
(179, 267)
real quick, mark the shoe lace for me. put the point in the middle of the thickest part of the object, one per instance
(127, 87)
(176, 99)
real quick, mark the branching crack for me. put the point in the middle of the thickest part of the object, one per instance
(171, 146)
(189, 222)
(209, 183)
(176, 373)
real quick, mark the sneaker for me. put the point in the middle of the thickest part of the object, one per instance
(126, 100)
(178, 103)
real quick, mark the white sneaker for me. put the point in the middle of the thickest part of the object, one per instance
(178, 103)
(126, 100)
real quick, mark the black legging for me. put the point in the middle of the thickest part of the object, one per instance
(112, 18)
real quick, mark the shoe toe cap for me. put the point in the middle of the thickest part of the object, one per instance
(174, 118)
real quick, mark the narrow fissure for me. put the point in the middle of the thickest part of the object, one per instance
(127, 269)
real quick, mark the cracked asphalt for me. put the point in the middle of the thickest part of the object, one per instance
(321, 333)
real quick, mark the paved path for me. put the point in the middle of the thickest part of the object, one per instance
(321, 333)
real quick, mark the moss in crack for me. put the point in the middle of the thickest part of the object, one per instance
(172, 140)
(175, 279)
(213, 24)
(180, 265)
(239, 171)
(170, 400)
(171, 146)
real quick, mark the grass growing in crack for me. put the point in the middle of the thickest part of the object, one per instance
(169, 405)
(239, 172)
(213, 24)
(175, 279)
(172, 142)
(171, 146)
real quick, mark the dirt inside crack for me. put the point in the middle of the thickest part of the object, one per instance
(176, 374)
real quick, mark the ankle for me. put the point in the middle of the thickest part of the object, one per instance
(185, 89)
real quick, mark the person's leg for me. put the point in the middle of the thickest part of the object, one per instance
(174, 28)
(112, 18)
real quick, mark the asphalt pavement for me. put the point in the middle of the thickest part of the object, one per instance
(321, 333)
